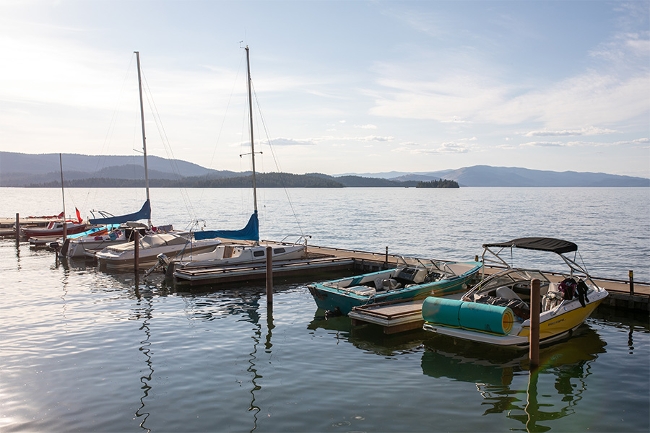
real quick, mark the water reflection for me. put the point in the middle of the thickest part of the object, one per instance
(219, 305)
(244, 303)
(144, 311)
(369, 338)
(494, 372)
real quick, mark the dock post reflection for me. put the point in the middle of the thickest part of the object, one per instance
(253, 369)
(532, 405)
(144, 348)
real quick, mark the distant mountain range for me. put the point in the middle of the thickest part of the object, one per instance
(485, 175)
(20, 170)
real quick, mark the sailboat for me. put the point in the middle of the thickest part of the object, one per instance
(155, 241)
(54, 229)
(229, 254)
(106, 231)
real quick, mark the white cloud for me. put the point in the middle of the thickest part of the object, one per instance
(281, 141)
(450, 147)
(543, 144)
(584, 131)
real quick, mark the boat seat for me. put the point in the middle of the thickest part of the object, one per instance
(552, 287)
(506, 293)
(386, 284)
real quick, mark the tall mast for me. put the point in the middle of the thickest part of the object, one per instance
(144, 139)
(65, 226)
(250, 108)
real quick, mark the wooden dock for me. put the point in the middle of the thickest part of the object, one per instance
(323, 260)
(327, 259)
(404, 316)
(8, 225)
(374, 261)
(393, 317)
(305, 268)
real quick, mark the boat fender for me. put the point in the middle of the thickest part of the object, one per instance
(468, 315)
(486, 317)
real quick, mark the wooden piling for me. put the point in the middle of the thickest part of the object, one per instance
(269, 276)
(17, 227)
(631, 273)
(136, 250)
(533, 336)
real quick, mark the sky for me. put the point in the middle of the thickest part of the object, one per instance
(339, 86)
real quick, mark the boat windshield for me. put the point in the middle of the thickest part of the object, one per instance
(510, 277)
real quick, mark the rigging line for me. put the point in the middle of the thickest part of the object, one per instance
(168, 151)
(277, 164)
(223, 121)
(111, 125)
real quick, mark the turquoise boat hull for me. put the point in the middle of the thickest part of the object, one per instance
(342, 295)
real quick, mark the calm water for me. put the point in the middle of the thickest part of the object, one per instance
(82, 350)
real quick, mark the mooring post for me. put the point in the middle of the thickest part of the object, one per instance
(136, 250)
(631, 282)
(269, 276)
(17, 227)
(533, 336)
(386, 254)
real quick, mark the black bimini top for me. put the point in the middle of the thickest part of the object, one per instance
(557, 246)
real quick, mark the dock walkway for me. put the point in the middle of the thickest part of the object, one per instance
(404, 316)
(618, 289)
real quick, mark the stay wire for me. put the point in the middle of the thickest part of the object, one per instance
(275, 160)
(223, 121)
(168, 151)
(108, 138)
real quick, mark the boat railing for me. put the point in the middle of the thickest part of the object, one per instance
(196, 224)
(301, 240)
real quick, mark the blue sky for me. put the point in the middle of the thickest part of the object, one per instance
(341, 86)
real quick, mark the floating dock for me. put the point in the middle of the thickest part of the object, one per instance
(256, 272)
(320, 261)
(405, 316)
(8, 225)
(393, 317)
(325, 260)
(623, 295)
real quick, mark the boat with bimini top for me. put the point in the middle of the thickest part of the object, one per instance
(497, 309)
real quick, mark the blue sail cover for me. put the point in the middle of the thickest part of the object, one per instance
(249, 233)
(142, 214)
(93, 230)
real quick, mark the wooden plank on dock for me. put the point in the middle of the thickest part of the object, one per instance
(393, 317)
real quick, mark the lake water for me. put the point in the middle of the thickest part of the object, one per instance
(82, 350)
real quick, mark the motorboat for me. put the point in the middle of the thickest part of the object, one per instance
(88, 243)
(108, 230)
(54, 229)
(407, 281)
(497, 309)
